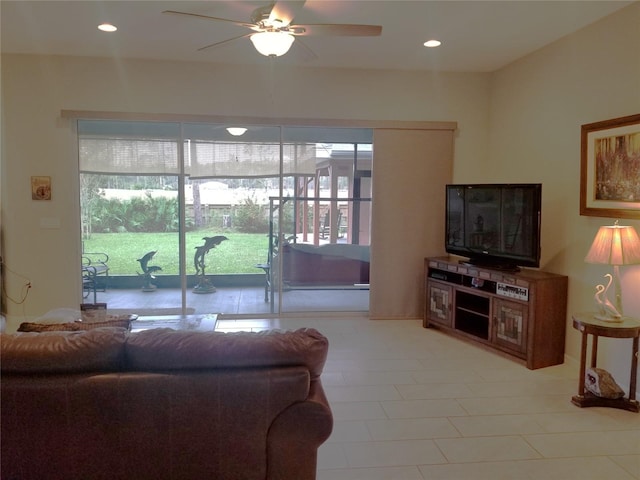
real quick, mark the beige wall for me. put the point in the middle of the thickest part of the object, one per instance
(36, 141)
(537, 107)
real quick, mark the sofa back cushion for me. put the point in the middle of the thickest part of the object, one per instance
(166, 349)
(100, 349)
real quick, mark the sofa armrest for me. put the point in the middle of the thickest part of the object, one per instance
(296, 434)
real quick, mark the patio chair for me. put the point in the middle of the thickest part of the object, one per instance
(95, 273)
(89, 282)
(325, 227)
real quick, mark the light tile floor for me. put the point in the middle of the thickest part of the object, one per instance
(413, 404)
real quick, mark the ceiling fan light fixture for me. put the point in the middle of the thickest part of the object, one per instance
(236, 131)
(272, 44)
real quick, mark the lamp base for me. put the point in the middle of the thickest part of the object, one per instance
(606, 318)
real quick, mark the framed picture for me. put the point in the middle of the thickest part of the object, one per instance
(41, 188)
(610, 168)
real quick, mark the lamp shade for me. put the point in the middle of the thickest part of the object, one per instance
(615, 245)
(272, 44)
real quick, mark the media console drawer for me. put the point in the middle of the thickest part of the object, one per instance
(522, 314)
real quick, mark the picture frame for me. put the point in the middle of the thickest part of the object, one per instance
(40, 188)
(610, 168)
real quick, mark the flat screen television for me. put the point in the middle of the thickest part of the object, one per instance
(494, 225)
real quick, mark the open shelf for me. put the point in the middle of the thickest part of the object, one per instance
(472, 314)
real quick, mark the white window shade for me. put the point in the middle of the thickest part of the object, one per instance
(204, 159)
(128, 156)
(128, 147)
(125, 147)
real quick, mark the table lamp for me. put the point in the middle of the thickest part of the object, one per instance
(613, 245)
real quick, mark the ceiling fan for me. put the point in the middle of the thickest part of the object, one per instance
(274, 31)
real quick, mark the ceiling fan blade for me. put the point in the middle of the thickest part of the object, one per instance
(283, 12)
(207, 17)
(228, 40)
(337, 30)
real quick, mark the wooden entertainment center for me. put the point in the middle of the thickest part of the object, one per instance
(521, 313)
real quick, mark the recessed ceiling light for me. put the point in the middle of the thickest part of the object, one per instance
(107, 27)
(432, 43)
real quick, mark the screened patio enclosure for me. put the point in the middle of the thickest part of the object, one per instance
(192, 214)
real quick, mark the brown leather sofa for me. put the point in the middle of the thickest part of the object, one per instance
(162, 404)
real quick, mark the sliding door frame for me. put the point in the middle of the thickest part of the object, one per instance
(382, 129)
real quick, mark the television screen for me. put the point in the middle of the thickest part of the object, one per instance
(495, 225)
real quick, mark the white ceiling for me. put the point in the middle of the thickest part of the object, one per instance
(477, 36)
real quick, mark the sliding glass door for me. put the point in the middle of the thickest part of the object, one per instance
(193, 216)
(322, 259)
(130, 199)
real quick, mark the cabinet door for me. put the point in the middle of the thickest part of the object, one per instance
(439, 303)
(509, 329)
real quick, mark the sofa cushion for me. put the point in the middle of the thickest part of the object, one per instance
(167, 349)
(100, 349)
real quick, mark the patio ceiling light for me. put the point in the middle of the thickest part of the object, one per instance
(236, 131)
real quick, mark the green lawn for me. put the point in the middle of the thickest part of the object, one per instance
(238, 254)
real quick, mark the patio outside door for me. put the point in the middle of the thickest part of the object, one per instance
(185, 212)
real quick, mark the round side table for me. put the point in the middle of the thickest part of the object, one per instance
(588, 324)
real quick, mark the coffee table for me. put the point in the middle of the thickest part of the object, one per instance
(200, 323)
